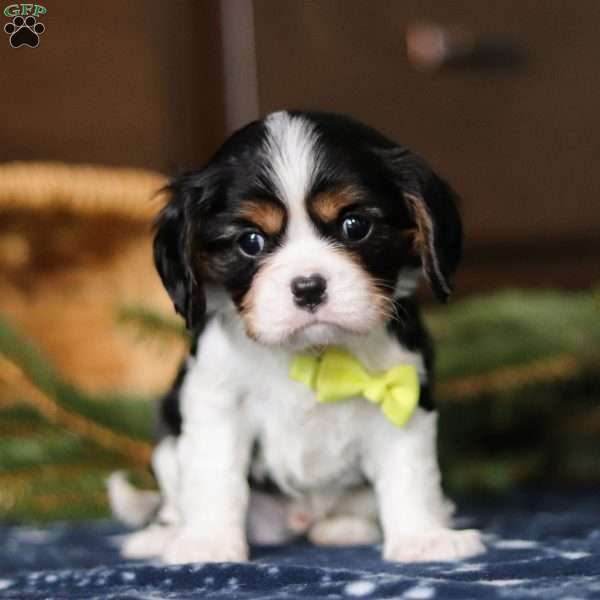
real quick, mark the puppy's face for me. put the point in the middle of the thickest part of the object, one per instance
(312, 223)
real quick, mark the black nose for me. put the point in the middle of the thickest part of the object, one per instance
(309, 291)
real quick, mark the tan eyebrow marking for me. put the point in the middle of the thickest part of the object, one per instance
(328, 205)
(267, 215)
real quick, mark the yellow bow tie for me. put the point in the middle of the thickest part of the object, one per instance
(336, 375)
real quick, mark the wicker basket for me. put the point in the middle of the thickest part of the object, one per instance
(75, 246)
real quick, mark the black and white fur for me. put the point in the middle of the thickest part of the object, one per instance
(342, 473)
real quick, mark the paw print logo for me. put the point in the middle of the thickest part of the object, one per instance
(24, 32)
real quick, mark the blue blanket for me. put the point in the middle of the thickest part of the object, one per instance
(540, 546)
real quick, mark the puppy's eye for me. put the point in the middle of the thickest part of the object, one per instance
(251, 243)
(355, 228)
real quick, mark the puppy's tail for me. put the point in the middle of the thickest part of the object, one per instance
(131, 506)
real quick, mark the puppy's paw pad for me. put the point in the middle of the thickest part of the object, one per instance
(442, 545)
(299, 520)
(196, 549)
(147, 543)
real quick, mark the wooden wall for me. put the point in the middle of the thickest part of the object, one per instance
(141, 83)
(135, 83)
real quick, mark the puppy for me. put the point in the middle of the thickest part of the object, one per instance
(297, 248)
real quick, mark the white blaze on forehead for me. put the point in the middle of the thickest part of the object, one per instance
(291, 148)
(291, 162)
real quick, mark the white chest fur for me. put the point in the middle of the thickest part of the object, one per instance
(304, 445)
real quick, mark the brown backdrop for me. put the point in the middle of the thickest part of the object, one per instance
(135, 83)
(141, 83)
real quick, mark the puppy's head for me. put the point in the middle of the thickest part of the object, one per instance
(312, 223)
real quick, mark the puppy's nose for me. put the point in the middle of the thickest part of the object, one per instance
(309, 291)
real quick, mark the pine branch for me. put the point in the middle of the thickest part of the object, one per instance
(150, 323)
(126, 415)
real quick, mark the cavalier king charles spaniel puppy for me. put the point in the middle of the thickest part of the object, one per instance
(306, 403)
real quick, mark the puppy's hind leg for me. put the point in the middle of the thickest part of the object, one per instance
(151, 541)
(267, 519)
(351, 522)
(130, 505)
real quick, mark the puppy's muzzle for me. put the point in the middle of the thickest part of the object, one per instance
(309, 292)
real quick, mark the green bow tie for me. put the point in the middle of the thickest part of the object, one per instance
(336, 375)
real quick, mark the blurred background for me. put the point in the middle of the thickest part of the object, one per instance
(502, 98)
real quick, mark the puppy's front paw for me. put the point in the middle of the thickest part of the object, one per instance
(441, 545)
(188, 547)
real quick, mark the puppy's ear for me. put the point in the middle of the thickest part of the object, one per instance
(174, 250)
(438, 229)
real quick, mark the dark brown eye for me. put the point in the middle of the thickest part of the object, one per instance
(251, 243)
(355, 228)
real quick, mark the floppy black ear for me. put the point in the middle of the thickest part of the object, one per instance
(433, 206)
(173, 253)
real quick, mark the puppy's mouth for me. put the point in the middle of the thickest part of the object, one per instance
(318, 326)
(319, 330)
(314, 334)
